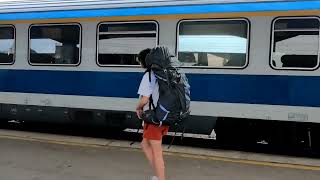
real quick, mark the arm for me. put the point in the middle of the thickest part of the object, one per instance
(145, 91)
(142, 102)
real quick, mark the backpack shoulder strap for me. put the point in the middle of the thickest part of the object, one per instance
(148, 71)
(151, 104)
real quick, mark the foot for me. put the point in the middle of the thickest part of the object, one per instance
(154, 178)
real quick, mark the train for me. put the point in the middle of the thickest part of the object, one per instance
(253, 65)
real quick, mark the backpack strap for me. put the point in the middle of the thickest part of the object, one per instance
(148, 71)
(151, 104)
(177, 127)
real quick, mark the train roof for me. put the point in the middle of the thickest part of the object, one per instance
(11, 6)
(11, 10)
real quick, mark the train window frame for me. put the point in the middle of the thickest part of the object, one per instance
(122, 22)
(15, 43)
(248, 23)
(56, 24)
(272, 35)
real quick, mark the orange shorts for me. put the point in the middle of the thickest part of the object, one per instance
(154, 132)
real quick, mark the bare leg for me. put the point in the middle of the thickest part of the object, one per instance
(146, 146)
(158, 161)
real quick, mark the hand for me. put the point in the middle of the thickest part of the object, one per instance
(139, 113)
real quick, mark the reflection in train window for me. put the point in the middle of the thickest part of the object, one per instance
(119, 43)
(295, 43)
(7, 44)
(213, 43)
(55, 44)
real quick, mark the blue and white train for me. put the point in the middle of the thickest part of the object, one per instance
(253, 66)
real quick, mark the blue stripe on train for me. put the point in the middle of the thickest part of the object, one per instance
(249, 89)
(165, 10)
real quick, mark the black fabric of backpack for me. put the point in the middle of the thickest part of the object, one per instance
(173, 105)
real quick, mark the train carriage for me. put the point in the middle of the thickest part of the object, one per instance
(253, 66)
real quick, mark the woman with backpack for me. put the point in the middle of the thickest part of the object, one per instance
(152, 134)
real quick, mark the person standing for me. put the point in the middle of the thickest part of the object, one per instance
(152, 134)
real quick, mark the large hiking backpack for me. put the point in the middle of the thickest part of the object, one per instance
(173, 105)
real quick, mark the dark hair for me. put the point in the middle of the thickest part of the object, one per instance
(142, 57)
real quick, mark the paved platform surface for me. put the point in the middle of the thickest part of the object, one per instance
(25, 158)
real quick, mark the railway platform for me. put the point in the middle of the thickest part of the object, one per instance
(39, 156)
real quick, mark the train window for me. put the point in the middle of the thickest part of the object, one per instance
(295, 43)
(213, 43)
(55, 44)
(7, 44)
(119, 43)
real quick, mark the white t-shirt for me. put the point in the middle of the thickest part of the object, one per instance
(147, 88)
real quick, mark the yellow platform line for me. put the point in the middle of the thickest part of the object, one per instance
(176, 154)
